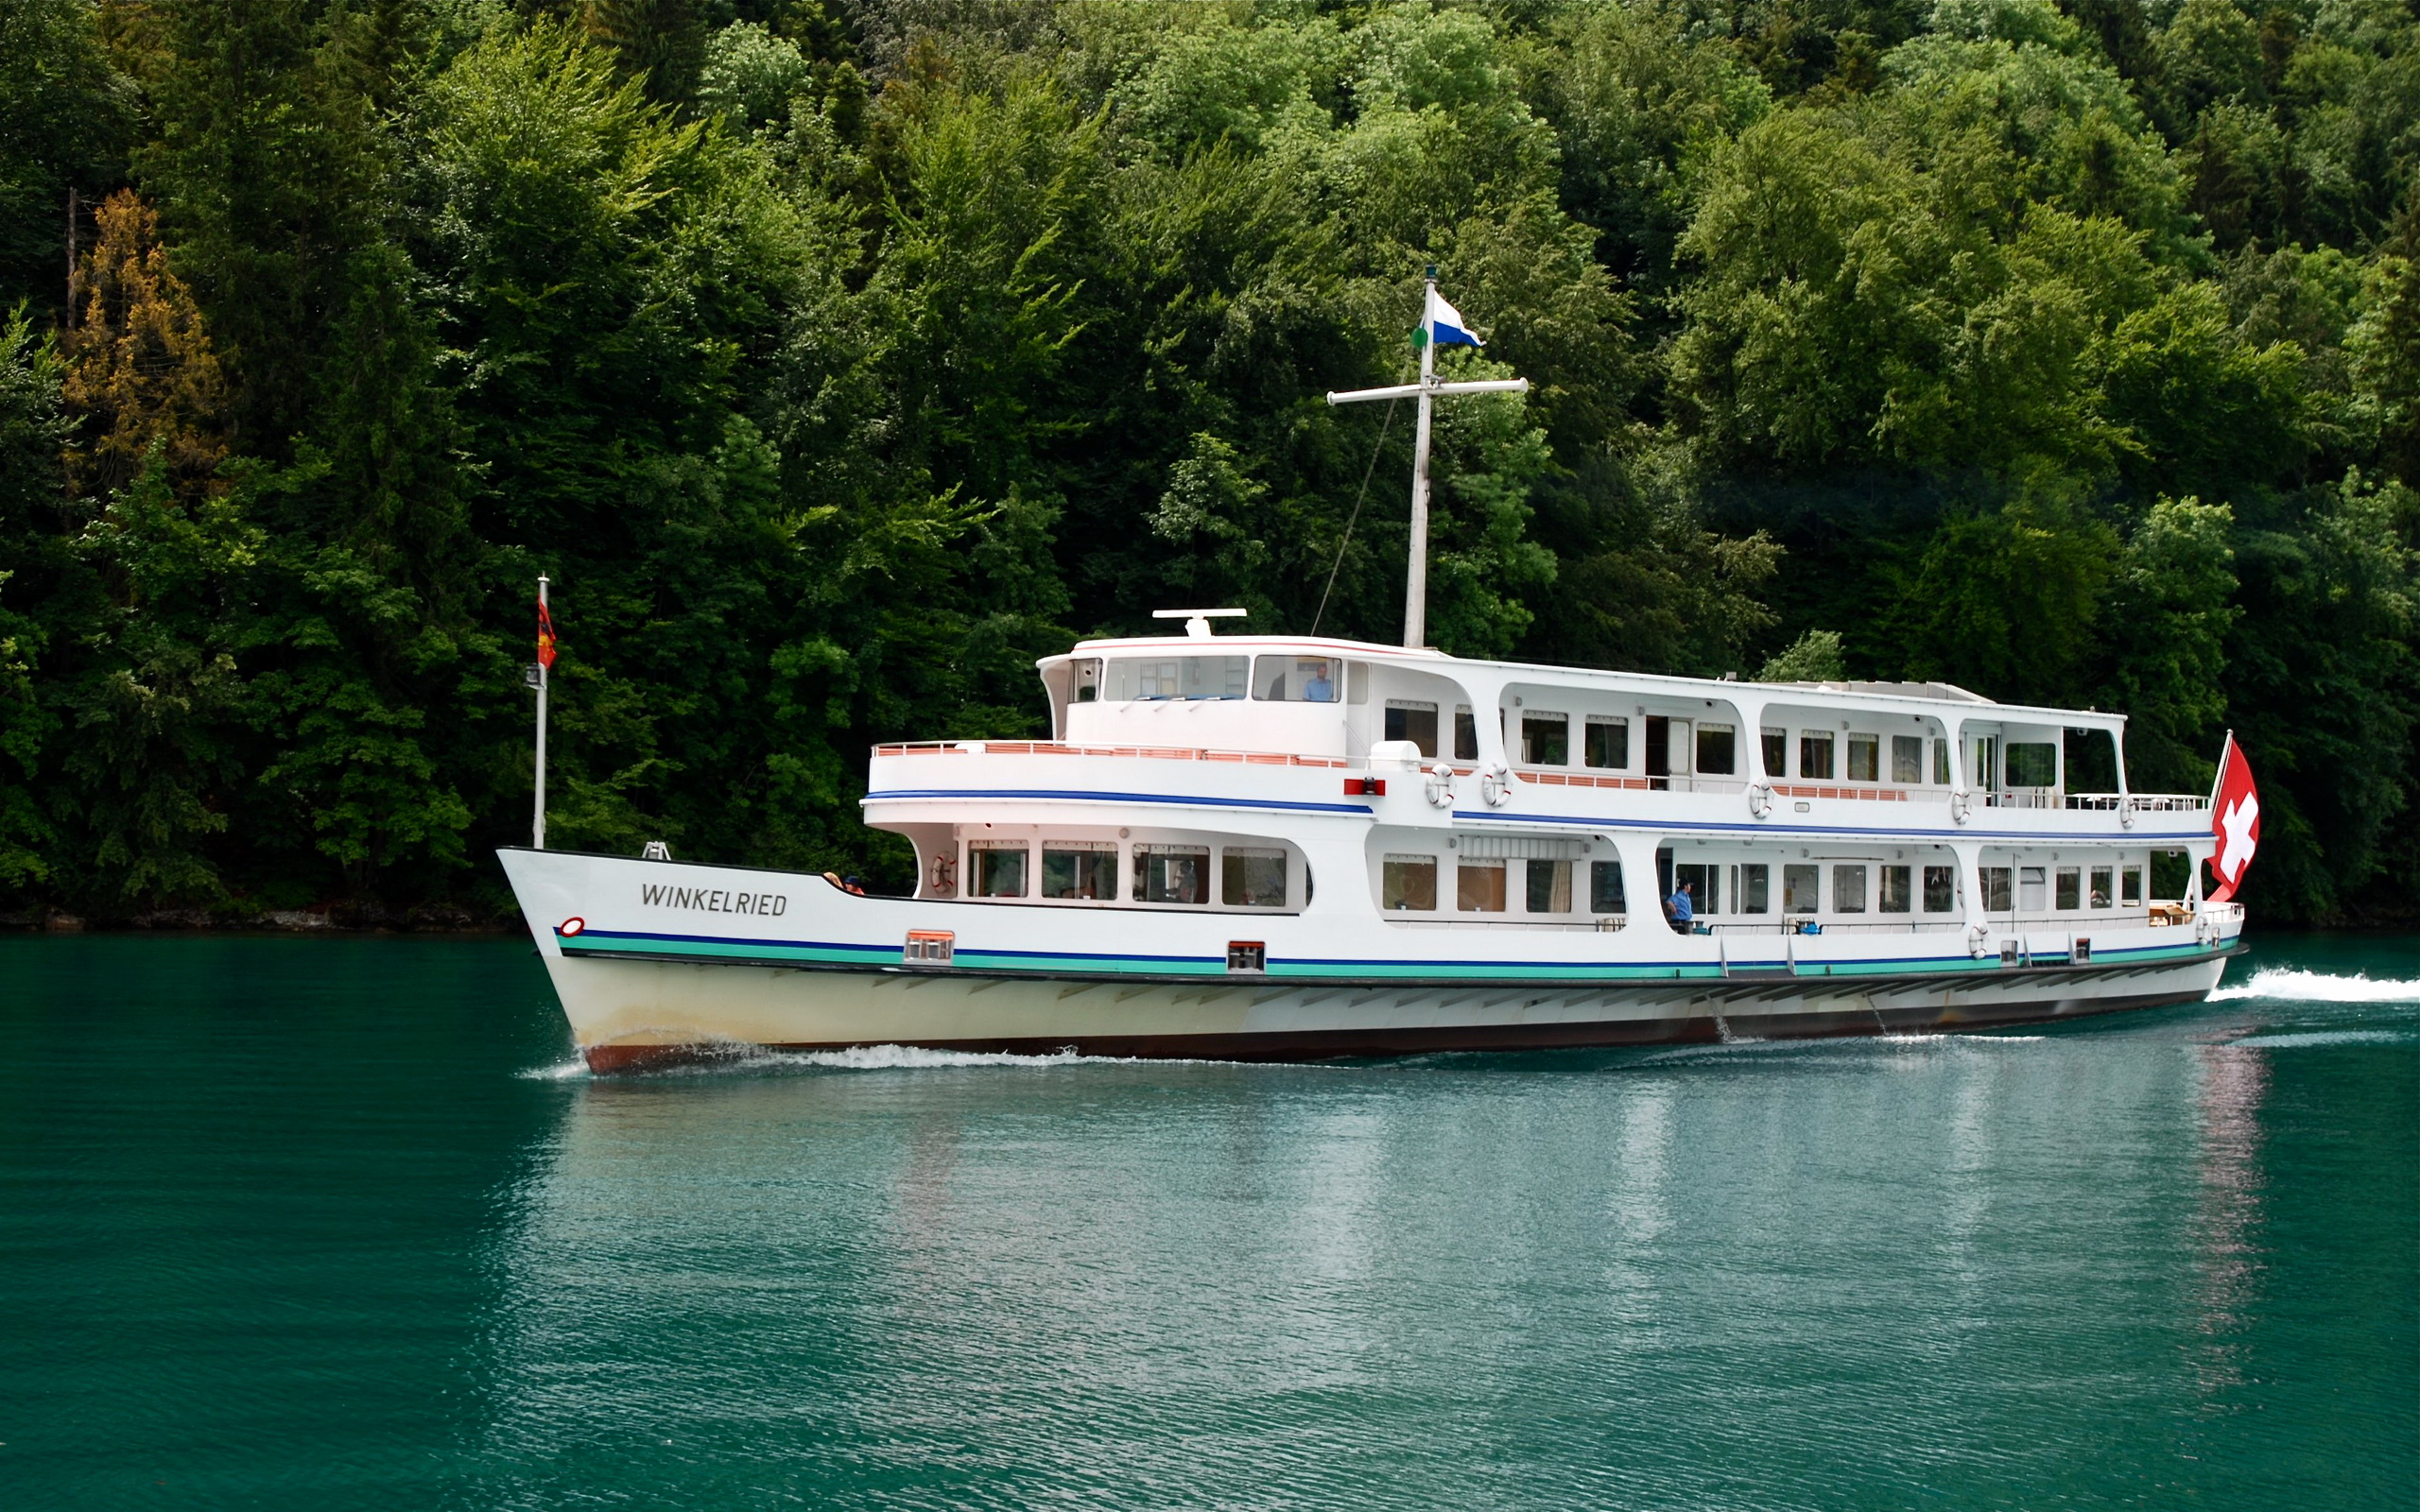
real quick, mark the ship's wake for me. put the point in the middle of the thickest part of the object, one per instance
(2284, 985)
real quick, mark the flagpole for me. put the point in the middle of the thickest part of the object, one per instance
(538, 817)
(1415, 587)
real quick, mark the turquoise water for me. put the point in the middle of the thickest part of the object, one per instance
(313, 1223)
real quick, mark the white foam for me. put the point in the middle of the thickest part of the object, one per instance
(2280, 985)
(566, 1071)
(914, 1058)
(2322, 1038)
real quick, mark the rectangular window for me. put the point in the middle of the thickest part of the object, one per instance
(1941, 764)
(1478, 886)
(1179, 677)
(1605, 888)
(1407, 882)
(1718, 750)
(1907, 758)
(1172, 873)
(1941, 889)
(1755, 888)
(2133, 880)
(2032, 763)
(2070, 888)
(1466, 735)
(1414, 722)
(2031, 889)
(2103, 894)
(1848, 889)
(1995, 898)
(1898, 896)
(1252, 877)
(998, 867)
(1802, 889)
(1546, 739)
(1079, 868)
(1705, 884)
(1865, 758)
(1608, 743)
(1777, 752)
(1814, 754)
(1297, 678)
(1550, 887)
(1087, 679)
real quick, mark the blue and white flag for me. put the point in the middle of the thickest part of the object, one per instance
(1444, 325)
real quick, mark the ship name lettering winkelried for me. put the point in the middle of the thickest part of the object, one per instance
(716, 901)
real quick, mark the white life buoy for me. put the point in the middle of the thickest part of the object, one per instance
(944, 876)
(2126, 811)
(1441, 786)
(1958, 806)
(1495, 785)
(1760, 799)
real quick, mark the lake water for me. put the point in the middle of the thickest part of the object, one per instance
(338, 1223)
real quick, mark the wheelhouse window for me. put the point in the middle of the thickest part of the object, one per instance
(1776, 744)
(1252, 877)
(2070, 888)
(1865, 758)
(1996, 889)
(1407, 882)
(1172, 873)
(1755, 888)
(1546, 739)
(1607, 743)
(1478, 886)
(1718, 750)
(1802, 889)
(1898, 896)
(1409, 719)
(2103, 894)
(1848, 889)
(1298, 679)
(1177, 677)
(1815, 753)
(2032, 763)
(1466, 735)
(1605, 888)
(1907, 758)
(1087, 679)
(1941, 889)
(997, 867)
(1550, 887)
(1079, 868)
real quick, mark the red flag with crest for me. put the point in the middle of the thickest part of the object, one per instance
(546, 637)
(2235, 819)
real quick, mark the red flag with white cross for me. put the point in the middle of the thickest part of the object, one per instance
(2235, 819)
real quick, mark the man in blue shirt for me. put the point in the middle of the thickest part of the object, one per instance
(1316, 688)
(1684, 909)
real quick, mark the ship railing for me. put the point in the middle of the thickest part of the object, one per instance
(1677, 783)
(1792, 926)
(2140, 802)
(1054, 747)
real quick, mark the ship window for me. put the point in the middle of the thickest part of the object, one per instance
(1177, 676)
(1478, 886)
(1252, 877)
(1172, 873)
(1848, 889)
(1605, 888)
(2029, 889)
(1777, 752)
(1079, 868)
(2101, 891)
(1898, 896)
(998, 867)
(1755, 888)
(1865, 758)
(1407, 882)
(1466, 735)
(1546, 739)
(1995, 899)
(2070, 887)
(1800, 888)
(1718, 750)
(1814, 753)
(1408, 719)
(1607, 743)
(1941, 889)
(1087, 679)
(1907, 758)
(2032, 763)
(1296, 679)
(1550, 887)
(2133, 878)
(1705, 887)
(1941, 764)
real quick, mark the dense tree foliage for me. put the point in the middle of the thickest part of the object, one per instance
(836, 358)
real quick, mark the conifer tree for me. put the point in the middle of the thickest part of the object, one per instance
(140, 368)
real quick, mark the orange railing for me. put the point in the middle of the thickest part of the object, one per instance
(1049, 748)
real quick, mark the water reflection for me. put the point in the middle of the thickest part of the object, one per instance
(2232, 1082)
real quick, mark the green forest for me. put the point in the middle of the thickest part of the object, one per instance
(836, 358)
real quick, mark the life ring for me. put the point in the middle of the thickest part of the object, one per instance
(1495, 785)
(2126, 811)
(1441, 786)
(1760, 799)
(944, 876)
(1959, 809)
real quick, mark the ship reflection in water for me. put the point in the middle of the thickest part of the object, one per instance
(1753, 1273)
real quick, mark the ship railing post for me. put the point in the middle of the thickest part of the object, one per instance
(538, 814)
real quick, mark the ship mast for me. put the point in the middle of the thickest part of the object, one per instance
(1415, 592)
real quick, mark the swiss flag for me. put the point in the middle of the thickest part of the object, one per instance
(546, 636)
(2235, 819)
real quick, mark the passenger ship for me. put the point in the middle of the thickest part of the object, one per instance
(1250, 845)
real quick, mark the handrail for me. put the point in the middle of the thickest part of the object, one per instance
(2140, 802)
(1052, 748)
